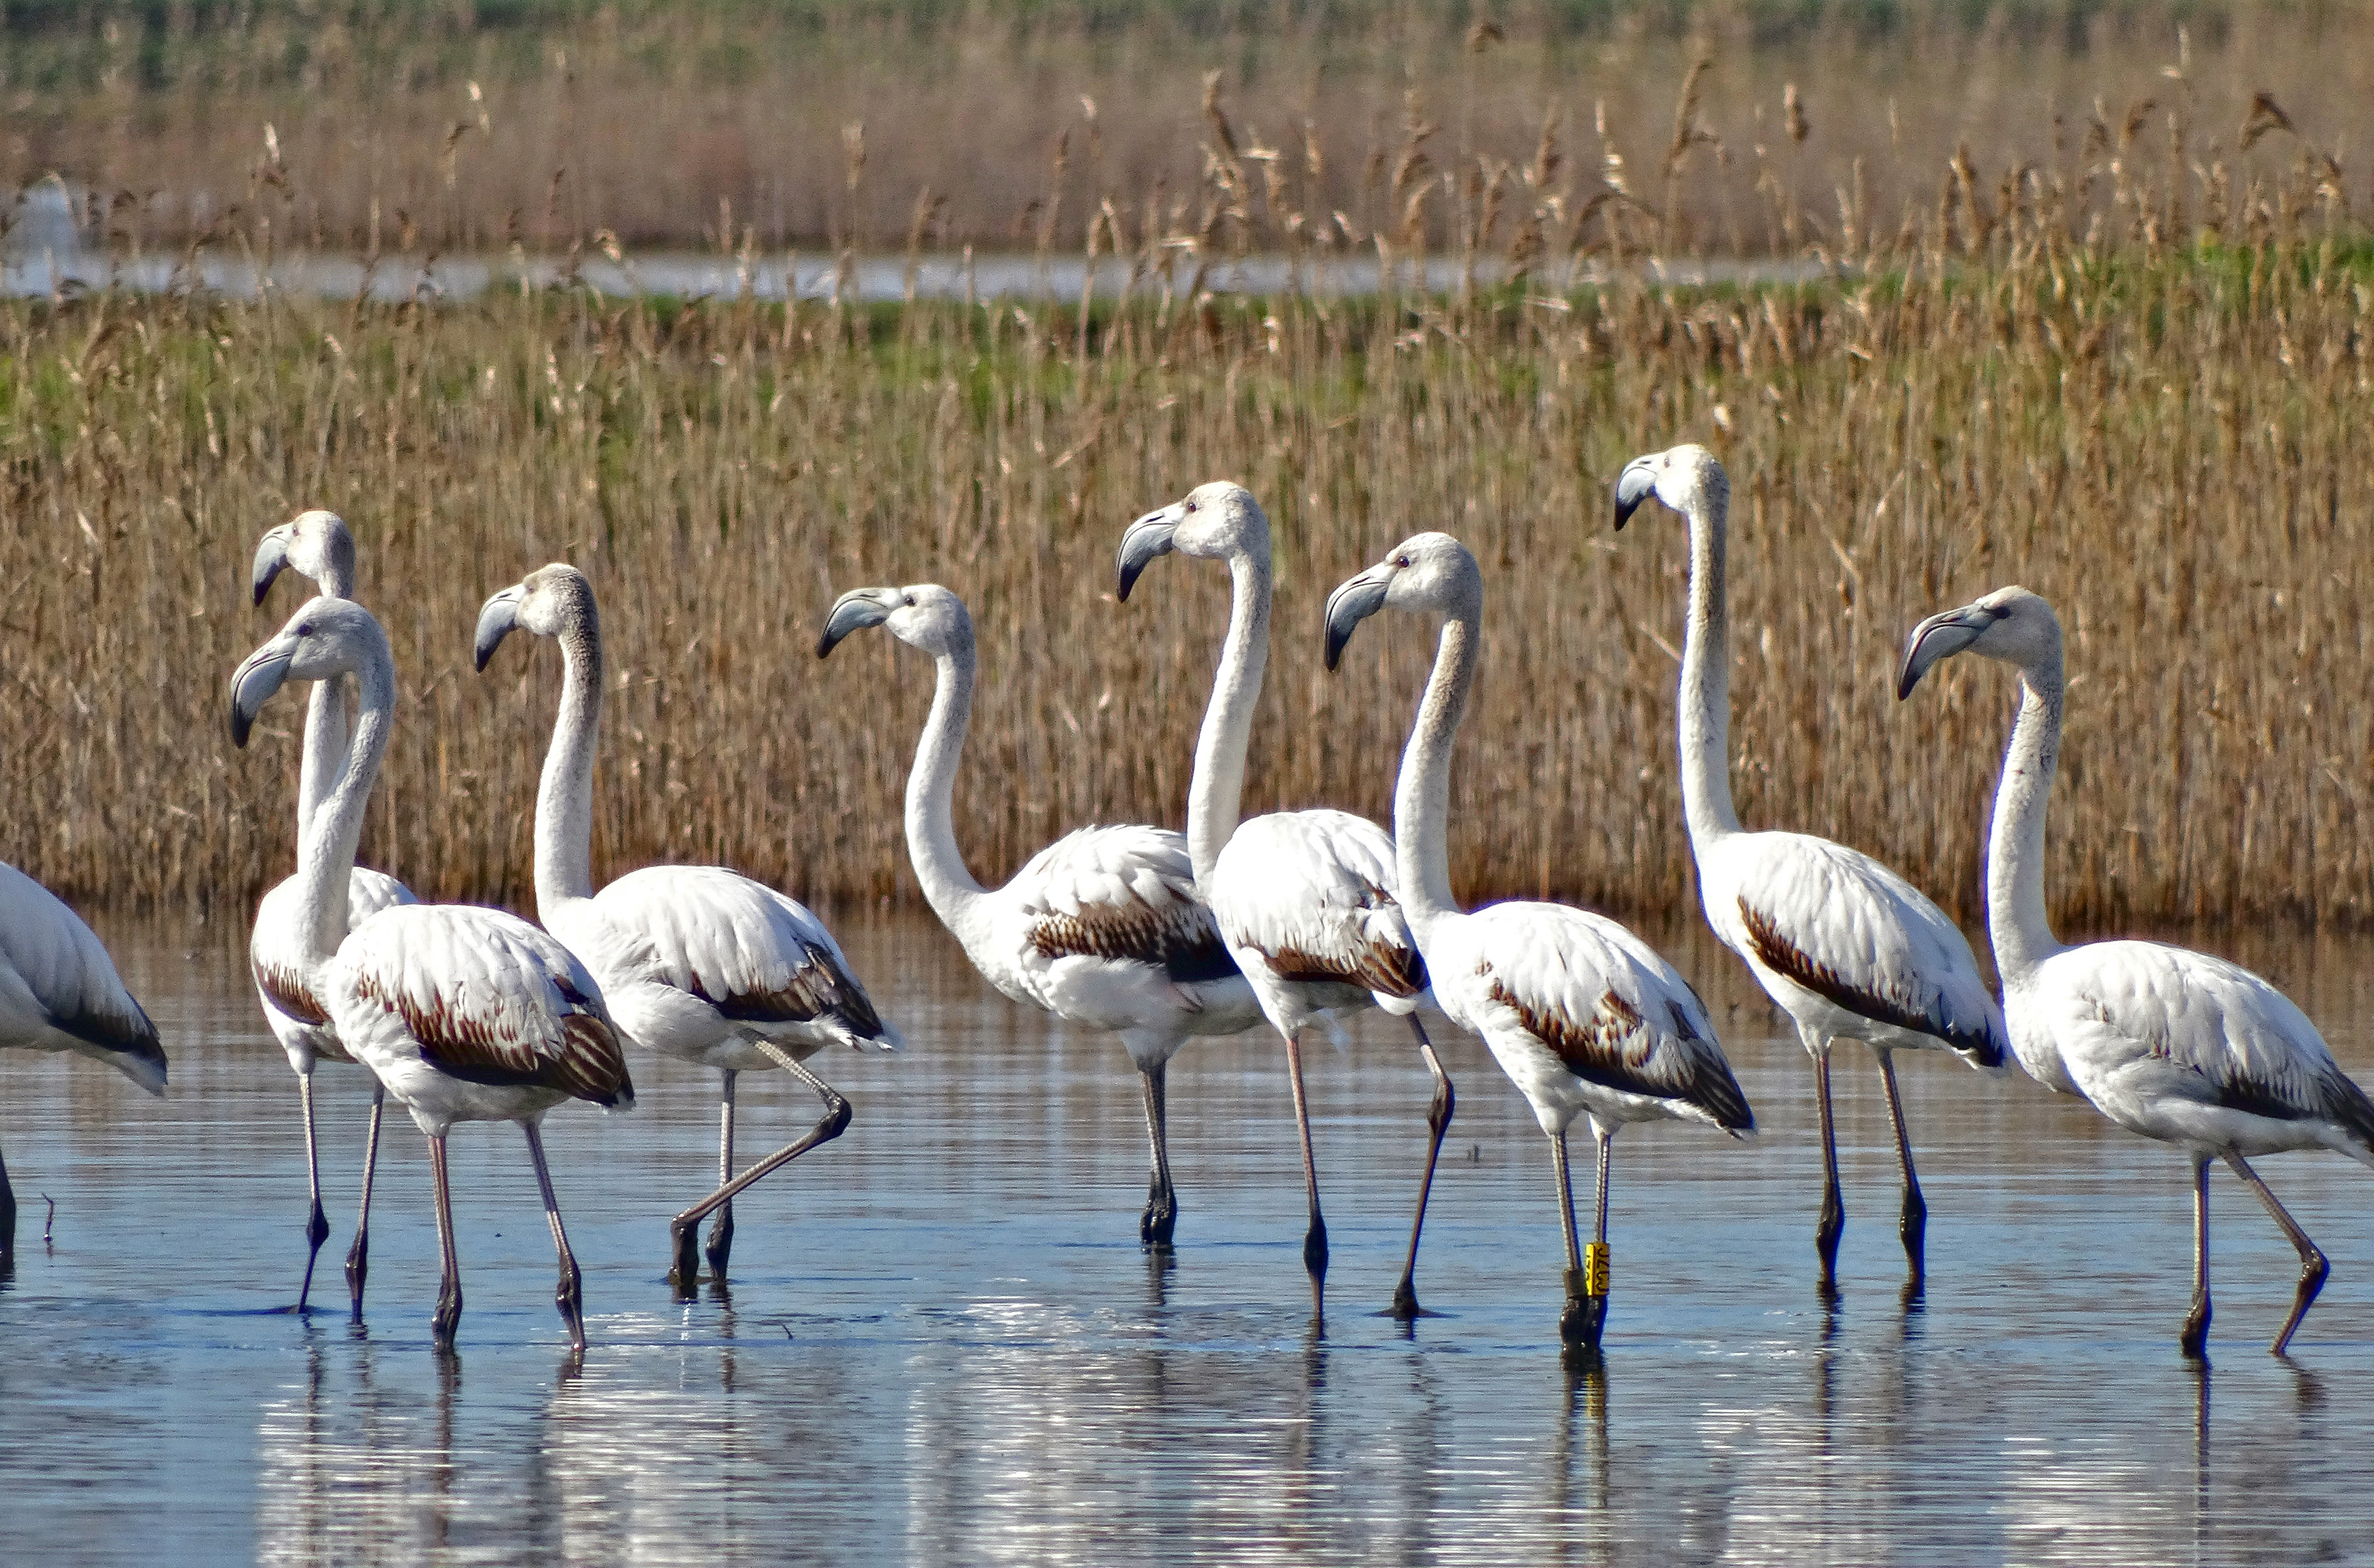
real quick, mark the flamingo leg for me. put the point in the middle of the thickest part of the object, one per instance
(2196, 1322)
(1576, 1323)
(1834, 1210)
(8, 1214)
(2313, 1267)
(1161, 1216)
(686, 1273)
(569, 1295)
(449, 1285)
(358, 1254)
(317, 1225)
(1314, 1241)
(1914, 1225)
(720, 1246)
(1437, 1122)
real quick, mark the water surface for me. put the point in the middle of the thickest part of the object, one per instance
(944, 1345)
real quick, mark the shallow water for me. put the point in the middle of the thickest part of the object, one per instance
(944, 1343)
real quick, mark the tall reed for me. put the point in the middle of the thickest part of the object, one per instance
(2131, 381)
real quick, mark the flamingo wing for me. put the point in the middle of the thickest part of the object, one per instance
(1313, 892)
(1125, 894)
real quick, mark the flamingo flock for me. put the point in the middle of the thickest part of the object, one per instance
(1289, 920)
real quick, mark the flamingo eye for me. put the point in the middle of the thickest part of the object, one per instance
(1402, 561)
(911, 601)
(306, 630)
(1190, 506)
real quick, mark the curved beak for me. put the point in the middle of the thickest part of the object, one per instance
(853, 611)
(496, 620)
(1148, 538)
(1938, 638)
(1638, 484)
(259, 674)
(271, 559)
(1354, 601)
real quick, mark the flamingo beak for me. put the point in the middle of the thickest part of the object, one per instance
(1938, 639)
(1354, 601)
(1148, 538)
(496, 622)
(853, 611)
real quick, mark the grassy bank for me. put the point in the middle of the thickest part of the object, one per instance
(2162, 439)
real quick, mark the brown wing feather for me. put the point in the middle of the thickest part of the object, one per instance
(1387, 967)
(289, 993)
(817, 989)
(1612, 1049)
(1784, 956)
(589, 1065)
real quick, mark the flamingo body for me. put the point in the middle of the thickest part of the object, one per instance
(298, 1019)
(59, 990)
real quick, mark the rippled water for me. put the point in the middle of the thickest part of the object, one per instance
(944, 1343)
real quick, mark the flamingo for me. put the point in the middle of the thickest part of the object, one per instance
(2176, 1045)
(1305, 899)
(59, 991)
(1849, 949)
(465, 1014)
(1583, 1016)
(1101, 927)
(316, 544)
(695, 962)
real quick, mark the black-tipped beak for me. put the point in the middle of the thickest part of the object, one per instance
(1938, 638)
(262, 673)
(1148, 538)
(853, 611)
(496, 622)
(271, 558)
(1638, 483)
(1353, 602)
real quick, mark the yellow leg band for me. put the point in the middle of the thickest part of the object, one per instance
(1594, 1269)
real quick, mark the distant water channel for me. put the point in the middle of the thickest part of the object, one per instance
(944, 1344)
(46, 252)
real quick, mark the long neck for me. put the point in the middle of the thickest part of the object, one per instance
(2023, 936)
(326, 856)
(1705, 718)
(931, 793)
(324, 751)
(564, 801)
(326, 711)
(1422, 797)
(1216, 794)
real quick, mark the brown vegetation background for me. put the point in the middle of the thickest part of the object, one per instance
(2132, 376)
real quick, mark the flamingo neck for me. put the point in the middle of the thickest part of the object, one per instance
(326, 711)
(949, 885)
(1215, 794)
(1422, 795)
(564, 800)
(324, 751)
(1705, 717)
(2015, 915)
(325, 854)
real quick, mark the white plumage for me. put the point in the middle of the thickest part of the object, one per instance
(1102, 926)
(1847, 948)
(1584, 1017)
(1305, 899)
(2176, 1045)
(695, 962)
(316, 544)
(59, 991)
(464, 1014)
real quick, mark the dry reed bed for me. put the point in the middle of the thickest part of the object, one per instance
(2162, 443)
(365, 124)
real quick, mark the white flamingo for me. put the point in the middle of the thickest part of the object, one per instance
(1305, 899)
(59, 991)
(2176, 1045)
(1100, 928)
(316, 546)
(1849, 950)
(696, 962)
(1583, 1016)
(464, 1014)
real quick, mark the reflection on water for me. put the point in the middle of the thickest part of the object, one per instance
(944, 1344)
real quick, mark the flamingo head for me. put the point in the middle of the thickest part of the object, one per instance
(315, 545)
(922, 615)
(551, 601)
(1430, 574)
(1673, 476)
(1216, 521)
(326, 639)
(2010, 624)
